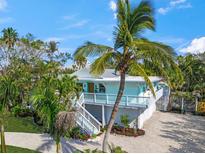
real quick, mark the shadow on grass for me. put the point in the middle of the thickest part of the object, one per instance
(188, 132)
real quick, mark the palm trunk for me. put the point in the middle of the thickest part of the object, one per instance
(3, 143)
(57, 147)
(58, 144)
(114, 112)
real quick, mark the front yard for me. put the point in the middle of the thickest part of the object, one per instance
(21, 124)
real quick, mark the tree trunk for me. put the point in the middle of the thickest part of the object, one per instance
(3, 143)
(58, 145)
(182, 105)
(114, 112)
(196, 105)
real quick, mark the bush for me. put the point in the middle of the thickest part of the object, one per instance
(76, 133)
(18, 111)
(88, 151)
(125, 120)
(116, 149)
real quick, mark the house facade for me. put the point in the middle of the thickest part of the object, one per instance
(99, 95)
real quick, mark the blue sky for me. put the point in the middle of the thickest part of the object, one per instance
(180, 23)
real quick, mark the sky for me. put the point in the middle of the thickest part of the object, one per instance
(179, 23)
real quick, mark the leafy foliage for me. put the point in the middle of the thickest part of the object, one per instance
(125, 120)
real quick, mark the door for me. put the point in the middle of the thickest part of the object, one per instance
(91, 87)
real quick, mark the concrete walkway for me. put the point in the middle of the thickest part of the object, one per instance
(165, 132)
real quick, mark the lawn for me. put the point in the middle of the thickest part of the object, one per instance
(12, 149)
(19, 124)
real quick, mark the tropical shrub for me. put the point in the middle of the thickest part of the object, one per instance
(19, 111)
(76, 133)
(113, 149)
(116, 149)
(125, 120)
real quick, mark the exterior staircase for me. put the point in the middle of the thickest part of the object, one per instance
(86, 120)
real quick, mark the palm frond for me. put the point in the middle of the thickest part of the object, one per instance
(91, 49)
(132, 22)
(137, 69)
(98, 67)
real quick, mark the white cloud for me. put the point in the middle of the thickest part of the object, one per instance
(177, 2)
(6, 20)
(56, 39)
(113, 6)
(196, 46)
(68, 17)
(163, 10)
(185, 6)
(174, 4)
(3, 5)
(76, 25)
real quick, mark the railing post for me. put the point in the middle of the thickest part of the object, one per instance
(103, 116)
(126, 101)
(107, 100)
(94, 98)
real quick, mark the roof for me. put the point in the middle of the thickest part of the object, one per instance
(109, 75)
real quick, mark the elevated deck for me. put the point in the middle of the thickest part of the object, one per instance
(126, 101)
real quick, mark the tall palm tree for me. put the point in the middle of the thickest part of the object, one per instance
(10, 36)
(8, 93)
(129, 51)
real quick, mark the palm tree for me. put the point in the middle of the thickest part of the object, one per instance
(10, 36)
(51, 99)
(81, 62)
(8, 93)
(129, 51)
(52, 47)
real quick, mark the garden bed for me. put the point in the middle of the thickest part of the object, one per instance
(127, 131)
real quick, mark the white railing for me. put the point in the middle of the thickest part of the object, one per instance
(109, 99)
(89, 123)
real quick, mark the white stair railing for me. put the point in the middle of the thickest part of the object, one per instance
(86, 120)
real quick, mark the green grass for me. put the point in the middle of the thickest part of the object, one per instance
(12, 149)
(20, 124)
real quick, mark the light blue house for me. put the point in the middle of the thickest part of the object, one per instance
(99, 93)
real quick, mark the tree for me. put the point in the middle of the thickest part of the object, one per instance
(52, 47)
(10, 37)
(130, 50)
(81, 62)
(52, 99)
(8, 92)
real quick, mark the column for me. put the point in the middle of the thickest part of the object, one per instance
(103, 116)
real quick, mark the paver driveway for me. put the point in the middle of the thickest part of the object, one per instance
(165, 132)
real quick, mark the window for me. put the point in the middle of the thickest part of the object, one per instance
(101, 88)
